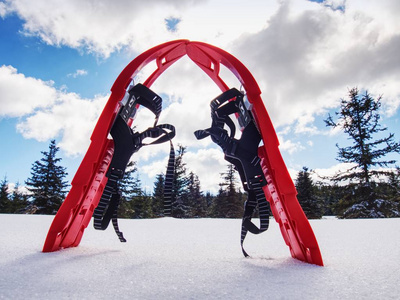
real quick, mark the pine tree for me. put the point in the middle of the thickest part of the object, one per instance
(359, 119)
(46, 183)
(130, 190)
(330, 196)
(229, 202)
(158, 196)
(186, 198)
(4, 196)
(19, 201)
(209, 199)
(143, 204)
(394, 184)
(196, 201)
(394, 188)
(306, 195)
(134, 203)
(179, 196)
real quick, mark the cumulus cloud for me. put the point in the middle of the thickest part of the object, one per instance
(105, 26)
(289, 146)
(323, 174)
(100, 27)
(71, 117)
(308, 56)
(45, 112)
(21, 95)
(187, 93)
(206, 163)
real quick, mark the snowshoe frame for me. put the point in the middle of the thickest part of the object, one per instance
(88, 183)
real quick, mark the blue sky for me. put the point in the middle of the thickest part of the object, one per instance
(58, 61)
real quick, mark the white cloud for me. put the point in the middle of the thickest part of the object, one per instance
(100, 27)
(187, 93)
(309, 55)
(3, 9)
(289, 146)
(207, 164)
(22, 189)
(154, 168)
(323, 174)
(77, 73)
(71, 117)
(106, 26)
(21, 95)
(335, 4)
(46, 113)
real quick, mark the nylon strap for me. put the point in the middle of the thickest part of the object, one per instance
(169, 178)
(242, 154)
(108, 207)
(127, 142)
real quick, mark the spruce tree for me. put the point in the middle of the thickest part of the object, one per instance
(209, 200)
(19, 201)
(130, 190)
(46, 184)
(134, 203)
(229, 201)
(142, 206)
(158, 196)
(306, 195)
(394, 185)
(359, 119)
(330, 196)
(179, 196)
(196, 201)
(4, 196)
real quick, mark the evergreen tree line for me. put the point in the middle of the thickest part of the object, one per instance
(12, 201)
(47, 190)
(362, 191)
(188, 199)
(378, 200)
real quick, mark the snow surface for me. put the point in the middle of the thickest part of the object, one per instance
(199, 259)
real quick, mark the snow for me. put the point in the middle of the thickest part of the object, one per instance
(199, 259)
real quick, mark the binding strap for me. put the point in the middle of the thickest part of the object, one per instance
(169, 178)
(242, 153)
(127, 142)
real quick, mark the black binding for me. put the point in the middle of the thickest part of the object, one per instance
(127, 142)
(242, 153)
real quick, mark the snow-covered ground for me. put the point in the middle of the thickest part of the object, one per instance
(199, 259)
